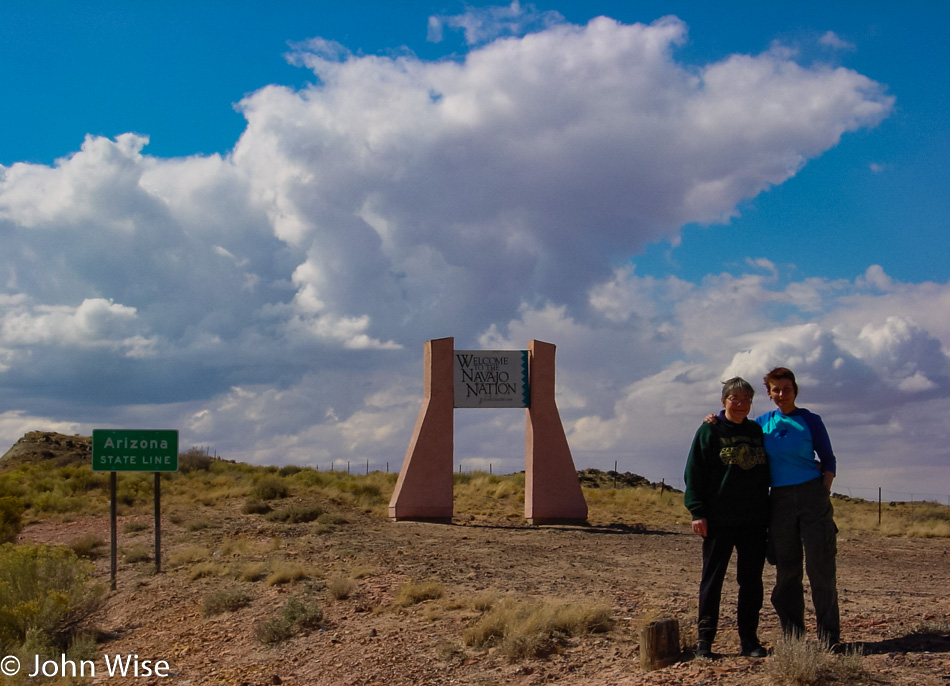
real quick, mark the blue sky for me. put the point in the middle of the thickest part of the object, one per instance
(243, 219)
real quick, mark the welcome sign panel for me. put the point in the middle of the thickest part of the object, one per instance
(491, 378)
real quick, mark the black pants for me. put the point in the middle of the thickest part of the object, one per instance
(803, 531)
(749, 544)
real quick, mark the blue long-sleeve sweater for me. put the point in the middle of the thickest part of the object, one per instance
(792, 442)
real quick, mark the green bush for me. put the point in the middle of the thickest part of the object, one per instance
(270, 488)
(296, 514)
(88, 546)
(10, 486)
(194, 461)
(255, 506)
(44, 594)
(295, 616)
(225, 600)
(136, 553)
(11, 518)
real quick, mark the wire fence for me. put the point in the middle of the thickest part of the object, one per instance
(869, 493)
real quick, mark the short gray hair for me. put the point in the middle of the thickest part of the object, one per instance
(736, 383)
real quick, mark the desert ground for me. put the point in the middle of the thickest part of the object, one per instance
(634, 563)
(893, 593)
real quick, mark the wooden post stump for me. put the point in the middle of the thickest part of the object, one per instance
(659, 644)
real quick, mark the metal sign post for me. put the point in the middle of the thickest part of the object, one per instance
(135, 450)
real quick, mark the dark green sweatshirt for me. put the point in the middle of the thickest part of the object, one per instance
(727, 474)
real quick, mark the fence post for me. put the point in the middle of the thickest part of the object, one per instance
(879, 508)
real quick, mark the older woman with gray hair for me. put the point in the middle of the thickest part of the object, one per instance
(727, 494)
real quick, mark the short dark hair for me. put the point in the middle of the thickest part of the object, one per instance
(736, 383)
(780, 373)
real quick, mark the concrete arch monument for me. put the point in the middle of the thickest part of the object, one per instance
(488, 379)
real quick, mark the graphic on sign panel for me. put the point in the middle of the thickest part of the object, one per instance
(491, 378)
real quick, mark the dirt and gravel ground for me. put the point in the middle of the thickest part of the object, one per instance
(894, 600)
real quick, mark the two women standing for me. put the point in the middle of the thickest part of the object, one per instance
(724, 494)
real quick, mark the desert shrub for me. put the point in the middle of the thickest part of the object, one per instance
(341, 588)
(80, 479)
(461, 478)
(133, 526)
(255, 506)
(797, 662)
(136, 553)
(55, 502)
(188, 555)
(327, 522)
(311, 478)
(45, 592)
(481, 602)
(296, 514)
(88, 546)
(10, 487)
(363, 493)
(285, 573)
(194, 460)
(273, 630)
(524, 629)
(203, 569)
(199, 524)
(225, 600)
(253, 571)
(295, 617)
(135, 488)
(11, 518)
(270, 488)
(237, 546)
(412, 593)
(304, 614)
(289, 470)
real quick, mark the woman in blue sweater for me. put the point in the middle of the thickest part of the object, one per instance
(802, 527)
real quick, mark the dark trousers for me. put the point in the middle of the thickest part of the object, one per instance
(749, 544)
(803, 530)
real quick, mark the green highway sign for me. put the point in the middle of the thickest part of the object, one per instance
(134, 450)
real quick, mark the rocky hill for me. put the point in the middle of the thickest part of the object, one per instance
(37, 446)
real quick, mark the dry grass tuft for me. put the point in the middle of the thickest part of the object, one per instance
(285, 573)
(413, 593)
(524, 629)
(798, 662)
(205, 569)
(225, 600)
(341, 588)
(188, 555)
(252, 571)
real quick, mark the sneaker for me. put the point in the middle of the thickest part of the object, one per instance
(754, 650)
(704, 649)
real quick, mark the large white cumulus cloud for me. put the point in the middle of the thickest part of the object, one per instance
(273, 300)
(533, 157)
